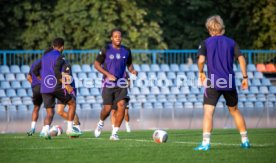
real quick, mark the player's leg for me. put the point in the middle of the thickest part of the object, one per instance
(49, 104)
(127, 119)
(112, 117)
(64, 114)
(231, 98)
(211, 97)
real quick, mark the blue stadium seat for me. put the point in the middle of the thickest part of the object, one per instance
(22, 107)
(259, 104)
(175, 90)
(250, 75)
(251, 97)
(2, 108)
(161, 98)
(171, 75)
(25, 69)
(90, 99)
(15, 69)
(76, 68)
(4, 69)
(80, 99)
(168, 105)
(20, 77)
(145, 67)
(191, 98)
(10, 77)
(141, 98)
(82, 75)
(178, 105)
(164, 68)
(161, 75)
(256, 82)
(238, 75)
(22, 92)
(174, 68)
(270, 105)
(171, 98)
(188, 105)
(15, 84)
(220, 105)
(165, 90)
(248, 105)
(181, 98)
(134, 91)
(184, 67)
(137, 67)
(258, 75)
(260, 97)
(137, 105)
(251, 67)
(272, 89)
(266, 82)
(271, 97)
(238, 82)
(5, 101)
(12, 107)
(86, 106)
(147, 105)
(152, 75)
(25, 84)
(193, 67)
(191, 75)
(200, 97)
(184, 90)
(154, 67)
(95, 91)
(145, 91)
(158, 105)
(235, 67)
(11, 93)
(245, 91)
(5, 85)
(194, 90)
(97, 106)
(2, 78)
(27, 100)
(242, 97)
(92, 75)
(2, 93)
(86, 68)
(154, 90)
(198, 105)
(16, 101)
(84, 92)
(142, 75)
(151, 98)
(240, 105)
(99, 99)
(30, 92)
(264, 90)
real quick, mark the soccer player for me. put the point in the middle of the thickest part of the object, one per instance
(114, 109)
(219, 51)
(112, 62)
(51, 87)
(37, 98)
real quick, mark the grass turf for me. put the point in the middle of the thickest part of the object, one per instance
(138, 146)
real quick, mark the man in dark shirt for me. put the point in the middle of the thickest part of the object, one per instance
(112, 62)
(49, 70)
(37, 97)
(219, 51)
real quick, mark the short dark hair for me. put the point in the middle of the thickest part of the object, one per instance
(115, 30)
(58, 42)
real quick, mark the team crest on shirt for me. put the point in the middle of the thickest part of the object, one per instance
(111, 56)
(118, 55)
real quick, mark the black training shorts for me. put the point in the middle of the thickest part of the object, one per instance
(37, 97)
(211, 97)
(49, 98)
(111, 96)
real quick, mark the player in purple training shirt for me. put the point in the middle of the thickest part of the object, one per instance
(219, 52)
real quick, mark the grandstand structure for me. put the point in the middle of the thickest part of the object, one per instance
(165, 104)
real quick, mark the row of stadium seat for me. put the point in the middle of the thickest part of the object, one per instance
(270, 68)
(143, 67)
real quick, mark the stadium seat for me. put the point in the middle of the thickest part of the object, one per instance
(84, 92)
(154, 67)
(250, 75)
(251, 68)
(161, 75)
(238, 82)
(2, 78)
(97, 106)
(240, 105)
(90, 99)
(266, 82)
(242, 97)
(99, 99)
(161, 98)
(145, 91)
(80, 99)
(181, 98)
(142, 75)
(11, 93)
(184, 67)
(154, 90)
(15, 69)
(235, 67)
(171, 75)
(174, 68)
(2, 108)
(260, 97)
(145, 68)
(270, 105)
(92, 75)
(198, 105)
(158, 105)
(220, 105)
(25, 84)
(248, 105)
(258, 75)
(245, 91)
(16, 101)
(82, 75)
(137, 67)
(86, 106)
(30, 92)
(272, 89)
(20, 77)
(5, 101)
(193, 67)
(137, 105)
(270, 67)
(134, 91)
(264, 90)
(95, 91)
(238, 75)
(168, 105)
(27, 100)
(175, 90)
(86, 68)
(251, 97)
(171, 98)
(152, 75)
(184, 90)
(194, 90)
(259, 104)
(22, 92)
(261, 67)
(200, 97)
(141, 98)
(256, 82)
(5, 85)
(76, 68)
(191, 98)
(165, 90)
(22, 107)
(164, 68)
(191, 75)
(15, 84)
(271, 97)
(2, 93)
(178, 105)
(151, 98)
(10, 77)
(188, 105)
(4, 69)
(25, 69)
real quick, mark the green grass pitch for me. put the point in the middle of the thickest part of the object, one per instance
(138, 146)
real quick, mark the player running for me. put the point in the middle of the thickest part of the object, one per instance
(51, 87)
(219, 51)
(112, 62)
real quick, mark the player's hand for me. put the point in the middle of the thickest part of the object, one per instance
(134, 72)
(244, 84)
(111, 77)
(69, 88)
(202, 77)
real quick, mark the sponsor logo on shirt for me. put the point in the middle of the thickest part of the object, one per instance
(118, 55)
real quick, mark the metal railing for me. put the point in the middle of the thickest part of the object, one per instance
(26, 57)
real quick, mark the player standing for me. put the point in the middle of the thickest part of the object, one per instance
(112, 62)
(219, 51)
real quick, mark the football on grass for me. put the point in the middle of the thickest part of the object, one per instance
(160, 136)
(56, 130)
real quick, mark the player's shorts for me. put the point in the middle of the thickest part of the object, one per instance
(114, 105)
(37, 97)
(49, 99)
(113, 95)
(73, 96)
(211, 97)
